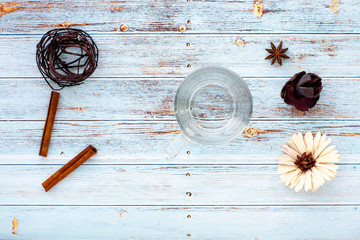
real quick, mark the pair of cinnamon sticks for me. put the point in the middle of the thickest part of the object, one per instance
(45, 142)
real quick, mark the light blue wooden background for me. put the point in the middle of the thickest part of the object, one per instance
(128, 190)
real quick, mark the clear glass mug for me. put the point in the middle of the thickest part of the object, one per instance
(213, 105)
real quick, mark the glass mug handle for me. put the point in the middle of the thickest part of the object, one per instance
(175, 146)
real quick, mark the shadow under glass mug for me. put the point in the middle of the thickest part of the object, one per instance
(213, 105)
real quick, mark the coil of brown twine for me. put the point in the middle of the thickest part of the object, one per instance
(67, 56)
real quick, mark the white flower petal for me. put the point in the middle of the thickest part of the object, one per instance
(314, 181)
(301, 183)
(284, 176)
(293, 139)
(327, 169)
(309, 140)
(287, 163)
(307, 181)
(318, 175)
(332, 167)
(286, 159)
(286, 149)
(329, 158)
(286, 168)
(291, 176)
(328, 150)
(321, 148)
(296, 180)
(324, 173)
(299, 142)
(292, 145)
(316, 141)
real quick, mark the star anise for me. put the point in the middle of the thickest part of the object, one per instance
(276, 53)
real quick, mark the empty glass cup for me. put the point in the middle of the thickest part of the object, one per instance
(213, 105)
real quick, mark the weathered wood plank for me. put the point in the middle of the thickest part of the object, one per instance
(152, 99)
(133, 142)
(124, 56)
(165, 222)
(166, 16)
(169, 184)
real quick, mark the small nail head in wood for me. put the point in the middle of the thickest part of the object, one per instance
(124, 27)
(182, 28)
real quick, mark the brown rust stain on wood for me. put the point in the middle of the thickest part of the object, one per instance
(117, 9)
(273, 11)
(69, 24)
(303, 56)
(318, 110)
(253, 132)
(269, 131)
(80, 109)
(168, 132)
(160, 112)
(9, 7)
(164, 108)
(15, 223)
(349, 134)
(6, 8)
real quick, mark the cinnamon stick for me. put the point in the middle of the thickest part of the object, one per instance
(69, 167)
(49, 123)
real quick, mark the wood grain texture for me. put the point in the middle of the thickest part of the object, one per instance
(152, 99)
(166, 16)
(133, 142)
(171, 222)
(129, 190)
(131, 56)
(168, 185)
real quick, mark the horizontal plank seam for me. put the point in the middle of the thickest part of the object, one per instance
(193, 33)
(164, 164)
(173, 120)
(189, 205)
(135, 78)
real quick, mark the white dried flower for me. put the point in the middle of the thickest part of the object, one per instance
(308, 161)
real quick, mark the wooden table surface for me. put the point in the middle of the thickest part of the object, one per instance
(128, 190)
